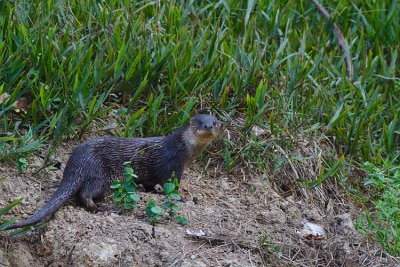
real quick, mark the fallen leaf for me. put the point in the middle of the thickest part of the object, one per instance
(196, 233)
(312, 231)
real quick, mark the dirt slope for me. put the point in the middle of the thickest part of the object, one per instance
(249, 220)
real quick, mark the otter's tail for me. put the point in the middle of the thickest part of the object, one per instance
(64, 192)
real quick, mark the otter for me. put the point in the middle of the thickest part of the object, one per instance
(94, 165)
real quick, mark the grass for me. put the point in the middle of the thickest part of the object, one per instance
(383, 222)
(275, 63)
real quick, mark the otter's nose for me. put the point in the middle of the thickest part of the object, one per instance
(208, 127)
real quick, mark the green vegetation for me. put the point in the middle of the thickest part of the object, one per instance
(270, 252)
(171, 197)
(124, 195)
(154, 212)
(274, 63)
(4, 223)
(22, 164)
(170, 206)
(5, 220)
(384, 221)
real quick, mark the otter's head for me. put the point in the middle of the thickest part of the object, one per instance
(205, 128)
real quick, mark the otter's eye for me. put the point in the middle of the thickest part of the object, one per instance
(214, 123)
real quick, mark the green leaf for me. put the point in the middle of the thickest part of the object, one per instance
(182, 220)
(168, 188)
(118, 65)
(135, 197)
(176, 182)
(129, 187)
(139, 90)
(156, 210)
(175, 197)
(8, 222)
(22, 164)
(167, 204)
(337, 117)
(43, 96)
(116, 184)
(26, 229)
(9, 206)
(250, 7)
(150, 204)
(132, 68)
(92, 104)
(128, 172)
(322, 177)
(133, 118)
(175, 207)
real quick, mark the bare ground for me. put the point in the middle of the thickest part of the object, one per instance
(249, 219)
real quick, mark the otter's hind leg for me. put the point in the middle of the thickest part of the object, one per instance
(94, 188)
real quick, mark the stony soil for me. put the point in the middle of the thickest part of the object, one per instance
(248, 220)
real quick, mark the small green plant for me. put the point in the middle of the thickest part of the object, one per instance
(154, 212)
(172, 197)
(125, 195)
(383, 223)
(269, 251)
(17, 145)
(22, 164)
